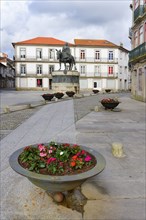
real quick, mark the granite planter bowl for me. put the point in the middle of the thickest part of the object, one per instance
(59, 95)
(70, 93)
(95, 91)
(110, 105)
(48, 97)
(108, 90)
(58, 183)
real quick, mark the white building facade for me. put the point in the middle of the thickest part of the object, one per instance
(101, 64)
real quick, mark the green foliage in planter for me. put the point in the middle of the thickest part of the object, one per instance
(56, 159)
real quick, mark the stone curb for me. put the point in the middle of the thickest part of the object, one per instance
(14, 108)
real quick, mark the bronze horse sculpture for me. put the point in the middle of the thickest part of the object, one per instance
(70, 59)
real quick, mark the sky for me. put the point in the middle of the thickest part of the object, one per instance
(65, 20)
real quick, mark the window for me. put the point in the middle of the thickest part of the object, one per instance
(110, 55)
(97, 70)
(51, 69)
(39, 69)
(95, 85)
(140, 80)
(135, 38)
(82, 54)
(110, 70)
(120, 69)
(97, 55)
(121, 55)
(39, 53)
(141, 37)
(82, 69)
(39, 82)
(22, 69)
(51, 53)
(22, 52)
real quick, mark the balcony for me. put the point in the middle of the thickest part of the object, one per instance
(93, 60)
(139, 12)
(138, 53)
(34, 59)
(98, 75)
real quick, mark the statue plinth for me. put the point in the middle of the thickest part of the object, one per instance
(65, 82)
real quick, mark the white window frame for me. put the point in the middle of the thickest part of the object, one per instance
(82, 54)
(51, 54)
(135, 39)
(141, 34)
(111, 74)
(39, 53)
(97, 54)
(22, 53)
(110, 55)
(23, 69)
(39, 69)
(83, 69)
(51, 68)
(97, 70)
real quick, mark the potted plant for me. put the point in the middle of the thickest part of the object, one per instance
(108, 90)
(110, 103)
(95, 91)
(70, 93)
(48, 96)
(59, 95)
(57, 167)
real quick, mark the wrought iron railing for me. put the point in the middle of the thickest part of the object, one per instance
(77, 59)
(100, 74)
(137, 52)
(139, 11)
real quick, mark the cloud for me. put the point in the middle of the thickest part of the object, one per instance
(65, 20)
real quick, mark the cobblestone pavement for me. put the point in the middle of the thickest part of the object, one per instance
(9, 121)
(82, 106)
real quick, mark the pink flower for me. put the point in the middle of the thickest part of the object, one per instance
(50, 151)
(87, 158)
(51, 160)
(41, 147)
(43, 154)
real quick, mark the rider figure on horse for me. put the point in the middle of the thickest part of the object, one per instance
(66, 52)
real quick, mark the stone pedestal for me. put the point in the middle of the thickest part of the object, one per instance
(62, 82)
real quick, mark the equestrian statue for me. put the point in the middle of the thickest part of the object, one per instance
(65, 57)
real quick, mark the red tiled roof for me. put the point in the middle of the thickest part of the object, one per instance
(91, 42)
(42, 41)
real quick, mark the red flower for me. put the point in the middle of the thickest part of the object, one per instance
(73, 163)
(74, 157)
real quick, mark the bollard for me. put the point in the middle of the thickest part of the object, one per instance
(117, 149)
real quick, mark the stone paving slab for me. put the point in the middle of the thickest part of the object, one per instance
(115, 209)
(118, 193)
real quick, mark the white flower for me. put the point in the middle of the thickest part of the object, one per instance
(61, 153)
